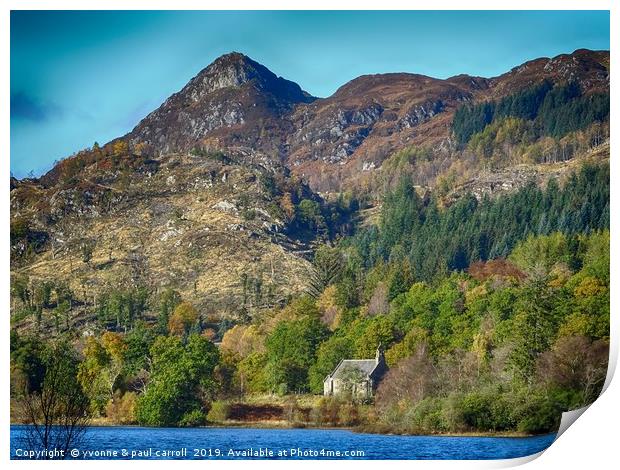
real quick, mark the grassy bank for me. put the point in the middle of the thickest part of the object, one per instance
(267, 411)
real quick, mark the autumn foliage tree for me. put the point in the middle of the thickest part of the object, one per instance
(182, 319)
(120, 148)
(101, 368)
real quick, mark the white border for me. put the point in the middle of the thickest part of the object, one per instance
(589, 443)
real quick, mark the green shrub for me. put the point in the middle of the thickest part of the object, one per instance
(282, 389)
(192, 418)
(542, 411)
(248, 214)
(20, 314)
(428, 415)
(219, 412)
(477, 411)
(452, 413)
(488, 410)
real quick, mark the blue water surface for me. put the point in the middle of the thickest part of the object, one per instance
(251, 443)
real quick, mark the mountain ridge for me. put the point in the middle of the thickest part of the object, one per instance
(235, 103)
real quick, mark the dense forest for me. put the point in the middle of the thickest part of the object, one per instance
(553, 110)
(412, 226)
(484, 309)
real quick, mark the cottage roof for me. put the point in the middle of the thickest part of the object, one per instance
(366, 366)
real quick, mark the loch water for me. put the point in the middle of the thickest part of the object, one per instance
(124, 442)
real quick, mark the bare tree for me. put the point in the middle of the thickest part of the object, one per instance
(56, 410)
(379, 303)
(353, 384)
(575, 362)
(413, 379)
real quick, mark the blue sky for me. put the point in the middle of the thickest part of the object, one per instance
(81, 77)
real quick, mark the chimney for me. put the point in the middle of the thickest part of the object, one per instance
(380, 357)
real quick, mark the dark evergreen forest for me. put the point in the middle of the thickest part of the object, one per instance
(554, 110)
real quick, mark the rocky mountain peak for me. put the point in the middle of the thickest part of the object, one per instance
(233, 92)
(234, 70)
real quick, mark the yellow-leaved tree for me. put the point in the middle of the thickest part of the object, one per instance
(182, 319)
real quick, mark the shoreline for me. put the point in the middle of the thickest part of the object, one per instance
(286, 425)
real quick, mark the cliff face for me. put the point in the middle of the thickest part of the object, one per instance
(366, 120)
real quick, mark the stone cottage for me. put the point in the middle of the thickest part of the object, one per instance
(356, 377)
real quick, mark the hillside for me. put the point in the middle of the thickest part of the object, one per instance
(340, 142)
(329, 141)
(181, 226)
